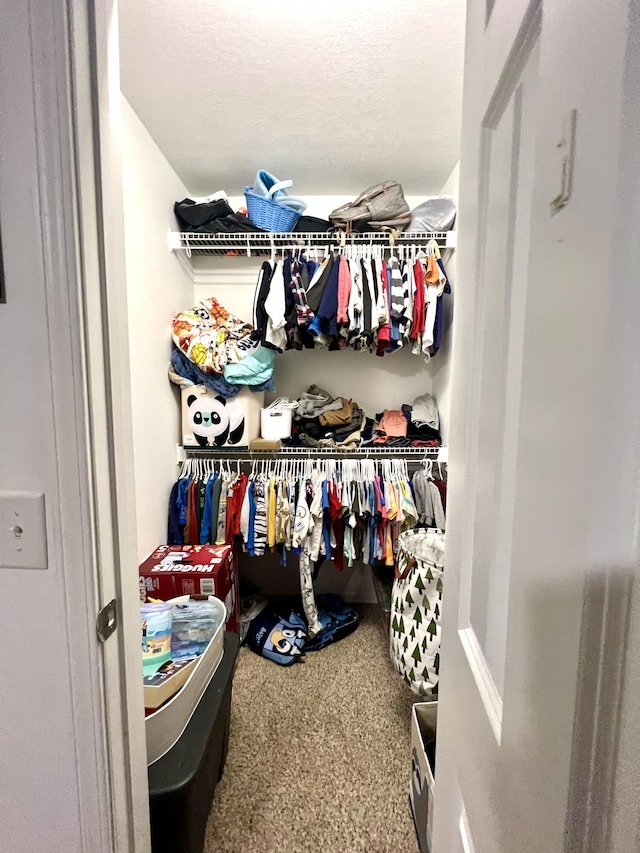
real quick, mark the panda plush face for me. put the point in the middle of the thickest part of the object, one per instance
(214, 421)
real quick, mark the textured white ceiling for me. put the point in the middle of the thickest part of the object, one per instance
(336, 95)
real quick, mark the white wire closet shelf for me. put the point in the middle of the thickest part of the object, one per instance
(413, 454)
(263, 242)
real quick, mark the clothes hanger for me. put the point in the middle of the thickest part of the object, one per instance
(427, 466)
(435, 249)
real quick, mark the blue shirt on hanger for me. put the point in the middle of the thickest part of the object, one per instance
(183, 485)
(205, 527)
(174, 534)
(251, 541)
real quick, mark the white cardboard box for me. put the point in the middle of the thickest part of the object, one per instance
(424, 721)
(209, 420)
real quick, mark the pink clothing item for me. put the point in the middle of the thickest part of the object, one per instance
(417, 327)
(384, 331)
(393, 423)
(344, 290)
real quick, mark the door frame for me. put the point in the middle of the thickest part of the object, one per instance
(75, 71)
(96, 110)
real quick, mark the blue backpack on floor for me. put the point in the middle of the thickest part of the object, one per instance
(280, 638)
(338, 620)
(279, 632)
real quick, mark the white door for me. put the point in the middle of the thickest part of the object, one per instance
(73, 771)
(538, 505)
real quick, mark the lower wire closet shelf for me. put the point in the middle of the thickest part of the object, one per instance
(411, 454)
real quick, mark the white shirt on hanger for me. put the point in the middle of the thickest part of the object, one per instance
(275, 306)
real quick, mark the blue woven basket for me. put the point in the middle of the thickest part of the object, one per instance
(270, 215)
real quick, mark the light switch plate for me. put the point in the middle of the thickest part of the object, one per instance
(23, 531)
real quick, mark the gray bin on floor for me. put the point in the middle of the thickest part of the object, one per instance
(424, 723)
(183, 781)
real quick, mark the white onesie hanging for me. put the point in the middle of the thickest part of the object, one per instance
(300, 539)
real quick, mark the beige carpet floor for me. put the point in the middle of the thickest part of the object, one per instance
(319, 756)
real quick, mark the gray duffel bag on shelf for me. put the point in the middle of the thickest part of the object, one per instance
(382, 207)
(435, 214)
(416, 610)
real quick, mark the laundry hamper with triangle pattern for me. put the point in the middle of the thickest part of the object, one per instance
(416, 610)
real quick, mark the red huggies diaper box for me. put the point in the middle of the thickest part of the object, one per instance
(173, 570)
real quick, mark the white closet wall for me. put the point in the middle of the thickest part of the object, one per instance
(376, 383)
(158, 287)
(441, 366)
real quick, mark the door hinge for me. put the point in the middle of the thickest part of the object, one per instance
(107, 621)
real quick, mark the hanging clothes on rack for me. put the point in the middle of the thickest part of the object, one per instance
(344, 511)
(356, 297)
(205, 504)
(352, 503)
(430, 496)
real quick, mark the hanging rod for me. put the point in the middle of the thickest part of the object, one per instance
(263, 242)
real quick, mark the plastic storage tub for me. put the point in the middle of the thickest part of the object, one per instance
(165, 725)
(275, 420)
(182, 783)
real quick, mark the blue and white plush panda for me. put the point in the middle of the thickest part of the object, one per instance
(214, 420)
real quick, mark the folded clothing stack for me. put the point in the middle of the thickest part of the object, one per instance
(416, 425)
(423, 421)
(324, 421)
(314, 402)
(212, 215)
